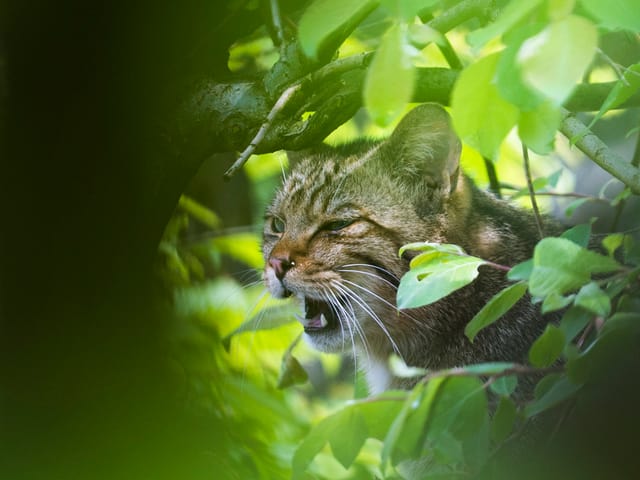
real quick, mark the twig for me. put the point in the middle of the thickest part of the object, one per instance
(277, 107)
(602, 155)
(532, 193)
(277, 25)
(635, 161)
(494, 182)
(516, 369)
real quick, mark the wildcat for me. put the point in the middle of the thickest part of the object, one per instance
(332, 235)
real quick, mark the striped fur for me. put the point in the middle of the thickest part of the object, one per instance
(332, 235)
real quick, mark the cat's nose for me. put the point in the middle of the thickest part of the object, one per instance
(280, 266)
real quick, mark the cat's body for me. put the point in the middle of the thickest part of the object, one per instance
(332, 236)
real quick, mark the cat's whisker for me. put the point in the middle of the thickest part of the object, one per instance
(376, 267)
(369, 274)
(347, 292)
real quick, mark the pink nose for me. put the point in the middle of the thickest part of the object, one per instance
(280, 266)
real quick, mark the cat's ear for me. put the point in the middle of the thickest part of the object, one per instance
(424, 145)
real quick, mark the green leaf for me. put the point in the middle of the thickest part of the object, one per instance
(488, 368)
(513, 13)
(620, 333)
(500, 304)
(592, 298)
(621, 14)
(578, 234)
(503, 420)
(558, 9)
(398, 444)
(623, 90)
(574, 205)
(508, 77)
(314, 442)
(554, 301)
(402, 370)
(460, 408)
(347, 439)
(244, 247)
(324, 19)
(474, 99)
(537, 128)
(504, 385)
(291, 372)
(554, 60)
(521, 271)
(391, 66)
(198, 211)
(612, 242)
(560, 391)
(574, 321)
(547, 348)
(429, 282)
(561, 266)
(272, 315)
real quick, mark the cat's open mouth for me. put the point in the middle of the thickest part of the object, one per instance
(318, 316)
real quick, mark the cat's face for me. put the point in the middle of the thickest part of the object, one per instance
(333, 231)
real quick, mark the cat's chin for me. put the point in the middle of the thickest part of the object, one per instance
(328, 341)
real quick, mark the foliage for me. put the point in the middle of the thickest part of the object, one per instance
(520, 63)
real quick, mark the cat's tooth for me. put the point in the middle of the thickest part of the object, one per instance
(323, 321)
(301, 319)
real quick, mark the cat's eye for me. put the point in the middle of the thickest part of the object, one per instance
(336, 225)
(277, 224)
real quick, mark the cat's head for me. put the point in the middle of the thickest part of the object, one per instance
(333, 230)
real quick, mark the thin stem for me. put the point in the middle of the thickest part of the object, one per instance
(494, 182)
(532, 193)
(635, 161)
(600, 153)
(279, 105)
(277, 26)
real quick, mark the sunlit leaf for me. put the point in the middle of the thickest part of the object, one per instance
(622, 91)
(429, 282)
(402, 370)
(621, 14)
(547, 348)
(514, 12)
(537, 128)
(508, 78)
(554, 60)
(198, 211)
(347, 439)
(500, 304)
(561, 266)
(474, 100)
(389, 82)
(592, 298)
(244, 247)
(325, 18)
(612, 242)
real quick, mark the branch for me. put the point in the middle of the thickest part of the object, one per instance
(595, 149)
(532, 193)
(280, 104)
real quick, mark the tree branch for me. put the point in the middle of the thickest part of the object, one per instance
(595, 149)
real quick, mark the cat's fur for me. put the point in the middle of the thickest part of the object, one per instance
(332, 236)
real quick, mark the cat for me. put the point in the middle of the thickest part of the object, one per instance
(333, 232)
